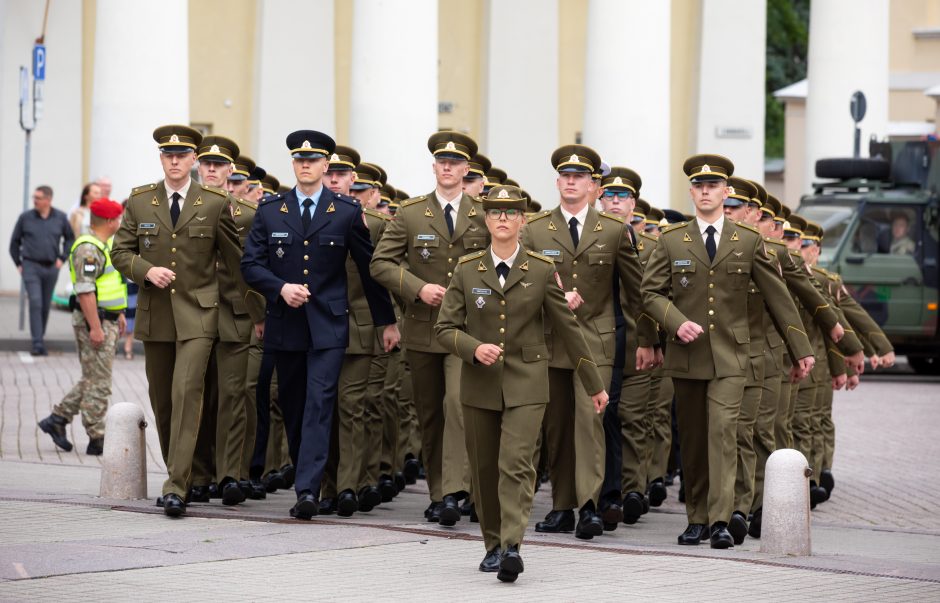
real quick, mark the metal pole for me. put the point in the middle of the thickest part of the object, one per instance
(858, 141)
(29, 135)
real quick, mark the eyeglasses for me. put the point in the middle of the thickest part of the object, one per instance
(496, 214)
(623, 195)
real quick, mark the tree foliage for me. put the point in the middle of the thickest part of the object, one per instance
(787, 42)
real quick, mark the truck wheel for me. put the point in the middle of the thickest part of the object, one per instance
(925, 365)
(849, 167)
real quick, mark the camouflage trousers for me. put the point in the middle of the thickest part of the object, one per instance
(91, 394)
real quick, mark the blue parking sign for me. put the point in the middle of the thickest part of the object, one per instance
(39, 62)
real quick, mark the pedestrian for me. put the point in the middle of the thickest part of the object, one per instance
(80, 217)
(39, 245)
(492, 319)
(98, 302)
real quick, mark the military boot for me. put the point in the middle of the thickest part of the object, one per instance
(55, 425)
(95, 446)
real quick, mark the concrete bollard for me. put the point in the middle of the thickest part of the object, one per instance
(785, 525)
(124, 462)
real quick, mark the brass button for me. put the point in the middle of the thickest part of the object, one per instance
(711, 272)
(502, 317)
(739, 271)
(306, 286)
(574, 276)
(450, 274)
(172, 290)
(173, 278)
(502, 345)
(501, 358)
(306, 243)
(574, 262)
(215, 304)
(502, 330)
(502, 302)
(331, 243)
(574, 289)
(306, 271)
(450, 260)
(711, 312)
(450, 246)
(173, 236)
(306, 257)
(173, 263)
(711, 300)
(173, 250)
(425, 244)
(682, 271)
(601, 262)
(711, 327)
(711, 285)
(538, 355)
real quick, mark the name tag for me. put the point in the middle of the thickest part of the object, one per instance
(146, 225)
(426, 237)
(551, 252)
(477, 291)
(682, 263)
(279, 235)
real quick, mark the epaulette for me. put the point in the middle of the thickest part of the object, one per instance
(772, 252)
(477, 199)
(347, 199)
(212, 189)
(795, 253)
(538, 255)
(749, 227)
(143, 188)
(833, 276)
(540, 215)
(376, 214)
(774, 240)
(277, 197)
(413, 200)
(247, 203)
(821, 271)
(471, 256)
(672, 227)
(612, 216)
(646, 235)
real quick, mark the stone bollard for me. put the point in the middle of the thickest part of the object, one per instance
(124, 463)
(785, 525)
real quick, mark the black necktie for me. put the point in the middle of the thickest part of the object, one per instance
(710, 246)
(175, 208)
(447, 218)
(305, 216)
(502, 269)
(573, 229)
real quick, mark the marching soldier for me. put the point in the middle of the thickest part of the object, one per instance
(588, 247)
(99, 300)
(694, 286)
(492, 318)
(476, 176)
(167, 243)
(415, 260)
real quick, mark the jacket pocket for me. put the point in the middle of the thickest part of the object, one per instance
(535, 353)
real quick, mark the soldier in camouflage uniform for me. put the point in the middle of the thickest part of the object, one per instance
(98, 320)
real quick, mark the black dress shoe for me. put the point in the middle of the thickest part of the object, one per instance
(95, 447)
(632, 508)
(369, 498)
(681, 495)
(510, 566)
(611, 514)
(55, 426)
(754, 529)
(410, 470)
(646, 505)
(474, 518)
(720, 537)
(670, 479)
(589, 525)
(465, 507)
(399, 481)
(288, 472)
(214, 491)
(433, 512)
(256, 490)
(738, 527)
(232, 494)
(346, 503)
(694, 534)
(159, 502)
(38, 351)
(827, 481)
(658, 493)
(327, 506)
(816, 495)
(245, 485)
(198, 494)
(491, 561)
(273, 481)
(173, 505)
(306, 506)
(387, 488)
(450, 511)
(556, 521)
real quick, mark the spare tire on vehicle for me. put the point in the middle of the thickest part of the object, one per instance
(847, 168)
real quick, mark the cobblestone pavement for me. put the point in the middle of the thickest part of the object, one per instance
(878, 538)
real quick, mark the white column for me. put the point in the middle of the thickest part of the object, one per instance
(393, 91)
(627, 90)
(295, 87)
(732, 67)
(141, 82)
(520, 116)
(848, 51)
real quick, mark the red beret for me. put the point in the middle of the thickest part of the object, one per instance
(106, 208)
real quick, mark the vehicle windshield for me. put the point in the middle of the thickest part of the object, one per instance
(835, 219)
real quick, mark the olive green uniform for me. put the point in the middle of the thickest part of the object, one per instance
(503, 403)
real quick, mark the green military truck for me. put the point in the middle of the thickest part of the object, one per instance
(882, 220)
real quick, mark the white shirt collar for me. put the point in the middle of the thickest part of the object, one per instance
(508, 261)
(703, 225)
(455, 201)
(183, 191)
(581, 215)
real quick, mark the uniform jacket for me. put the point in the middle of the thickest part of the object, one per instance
(363, 338)
(416, 249)
(872, 337)
(604, 246)
(680, 284)
(644, 245)
(237, 316)
(477, 310)
(189, 307)
(279, 251)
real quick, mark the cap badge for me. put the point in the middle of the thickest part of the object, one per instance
(214, 149)
(174, 138)
(450, 146)
(574, 159)
(306, 145)
(730, 190)
(618, 180)
(706, 168)
(503, 194)
(334, 157)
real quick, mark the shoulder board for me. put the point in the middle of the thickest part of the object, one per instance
(143, 188)
(794, 252)
(247, 203)
(748, 226)
(538, 255)
(477, 199)
(774, 242)
(672, 227)
(612, 217)
(833, 276)
(346, 198)
(376, 214)
(646, 235)
(413, 200)
(213, 189)
(820, 271)
(471, 256)
(540, 215)
(277, 197)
